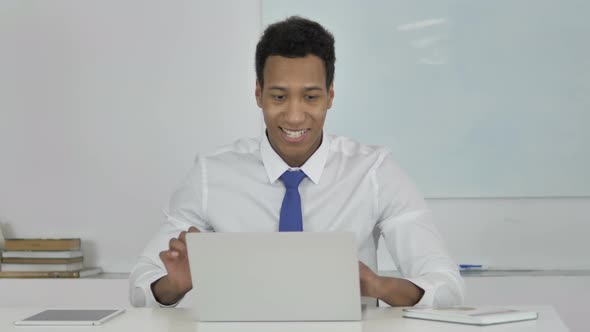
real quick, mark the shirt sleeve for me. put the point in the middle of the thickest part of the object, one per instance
(412, 239)
(186, 209)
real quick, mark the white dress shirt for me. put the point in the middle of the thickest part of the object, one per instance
(349, 187)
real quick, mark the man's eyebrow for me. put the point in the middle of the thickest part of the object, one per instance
(277, 88)
(306, 89)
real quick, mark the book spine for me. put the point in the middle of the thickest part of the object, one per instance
(42, 254)
(9, 260)
(52, 274)
(42, 244)
(9, 267)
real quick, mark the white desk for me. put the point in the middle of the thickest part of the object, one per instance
(374, 320)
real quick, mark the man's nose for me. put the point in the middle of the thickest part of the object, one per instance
(295, 113)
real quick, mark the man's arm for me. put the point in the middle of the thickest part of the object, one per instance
(430, 276)
(172, 287)
(161, 278)
(393, 291)
(151, 269)
(165, 292)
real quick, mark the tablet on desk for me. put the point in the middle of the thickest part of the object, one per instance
(482, 315)
(70, 317)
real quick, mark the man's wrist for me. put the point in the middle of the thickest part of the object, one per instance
(396, 291)
(376, 289)
(164, 291)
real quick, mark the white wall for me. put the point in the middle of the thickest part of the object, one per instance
(537, 233)
(105, 104)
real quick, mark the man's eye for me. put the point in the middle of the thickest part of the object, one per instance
(310, 97)
(278, 97)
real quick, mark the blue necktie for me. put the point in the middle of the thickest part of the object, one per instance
(291, 218)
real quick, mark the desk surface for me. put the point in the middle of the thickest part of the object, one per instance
(464, 273)
(374, 320)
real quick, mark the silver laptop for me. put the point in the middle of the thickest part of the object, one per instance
(274, 276)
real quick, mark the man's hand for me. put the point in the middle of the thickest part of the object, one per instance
(369, 281)
(393, 291)
(172, 287)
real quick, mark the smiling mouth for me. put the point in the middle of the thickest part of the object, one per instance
(294, 133)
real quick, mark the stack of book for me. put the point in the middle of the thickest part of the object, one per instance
(44, 258)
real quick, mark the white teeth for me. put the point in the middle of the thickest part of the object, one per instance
(294, 134)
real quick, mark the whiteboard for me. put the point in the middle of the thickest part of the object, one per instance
(474, 98)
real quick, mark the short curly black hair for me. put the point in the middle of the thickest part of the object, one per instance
(296, 37)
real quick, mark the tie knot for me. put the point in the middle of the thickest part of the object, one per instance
(292, 179)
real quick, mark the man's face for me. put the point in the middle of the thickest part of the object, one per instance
(294, 102)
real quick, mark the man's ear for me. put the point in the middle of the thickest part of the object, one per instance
(330, 95)
(258, 94)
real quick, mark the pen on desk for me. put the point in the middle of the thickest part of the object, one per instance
(470, 266)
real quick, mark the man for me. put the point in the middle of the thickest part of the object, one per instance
(341, 186)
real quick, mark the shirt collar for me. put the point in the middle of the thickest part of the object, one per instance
(275, 166)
